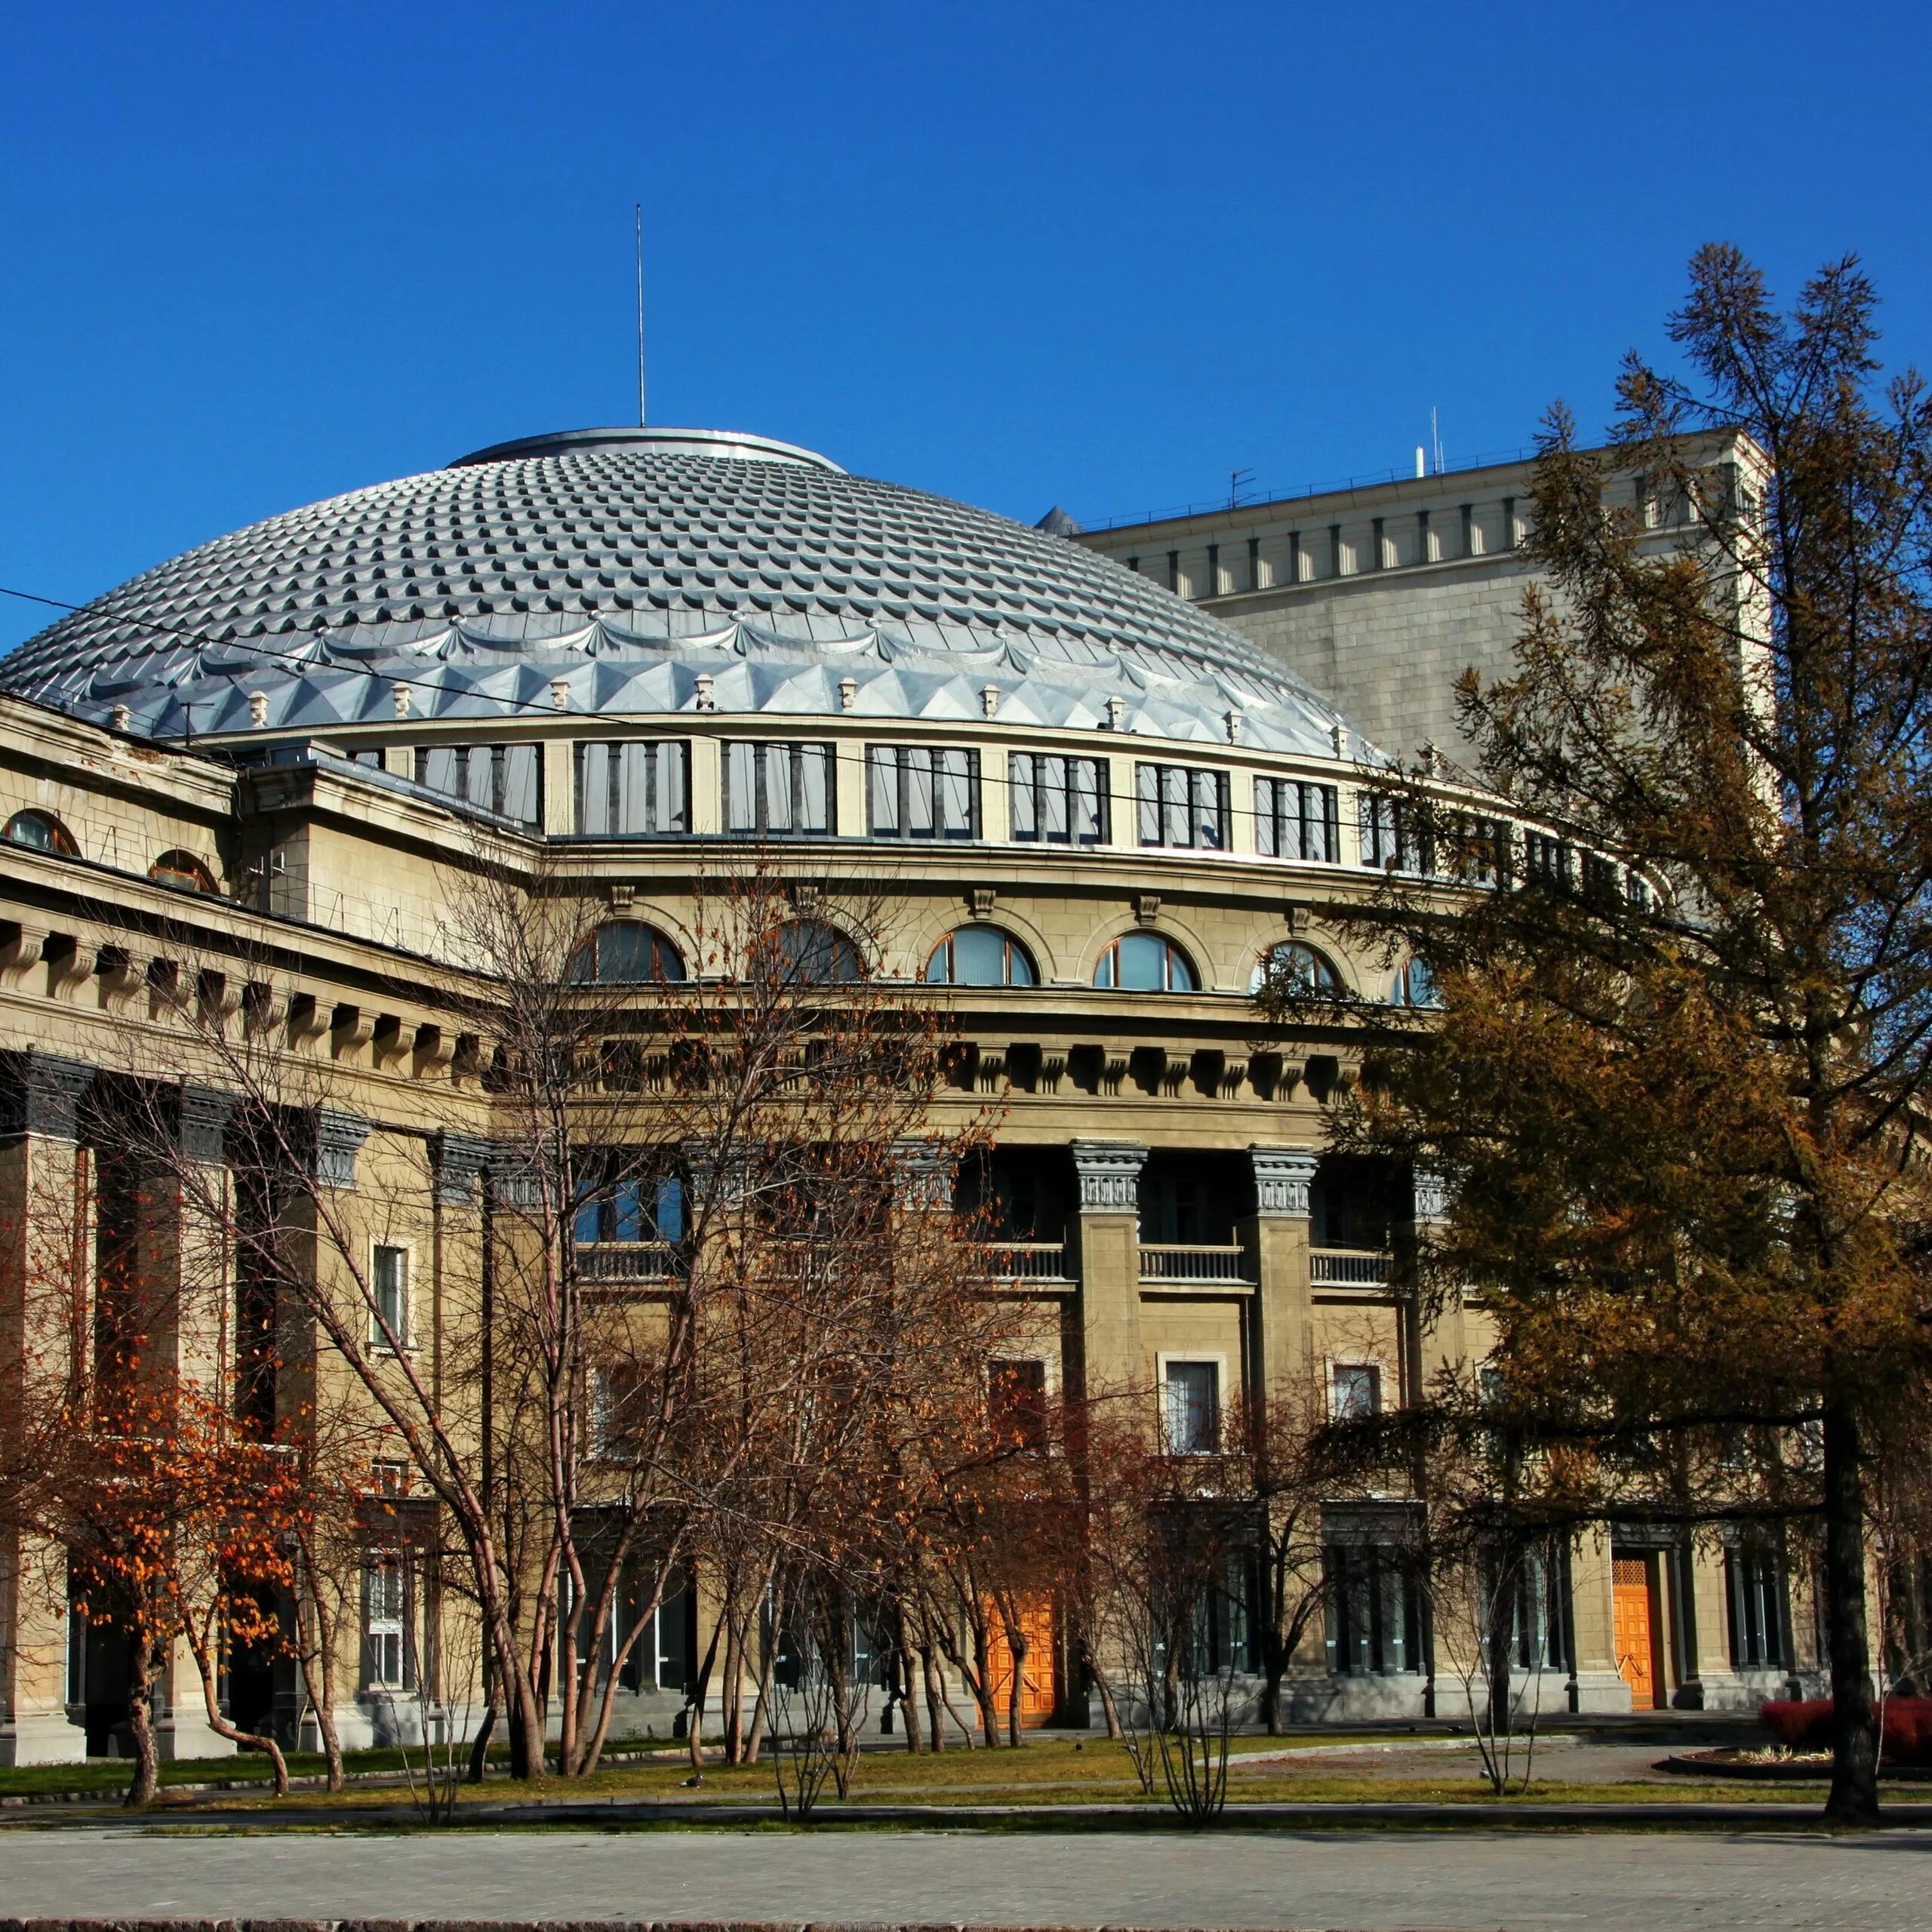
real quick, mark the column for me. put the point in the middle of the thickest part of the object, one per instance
(1437, 1337)
(46, 1263)
(1282, 1312)
(183, 1266)
(1109, 1174)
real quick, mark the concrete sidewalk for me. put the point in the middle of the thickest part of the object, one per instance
(1468, 1881)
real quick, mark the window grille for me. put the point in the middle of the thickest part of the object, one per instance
(1181, 805)
(635, 789)
(1057, 801)
(506, 780)
(1391, 840)
(780, 791)
(1294, 820)
(1550, 862)
(920, 791)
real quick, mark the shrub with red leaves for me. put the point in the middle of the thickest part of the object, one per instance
(1806, 1726)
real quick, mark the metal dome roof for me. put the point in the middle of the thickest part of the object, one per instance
(630, 562)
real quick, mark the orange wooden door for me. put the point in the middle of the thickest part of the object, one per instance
(1630, 1584)
(1037, 1698)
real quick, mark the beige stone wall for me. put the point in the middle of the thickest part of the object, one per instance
(1380, 597)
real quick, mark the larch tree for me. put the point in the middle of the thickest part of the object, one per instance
(1675, 1072)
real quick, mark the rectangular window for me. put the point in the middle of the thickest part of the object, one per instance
(779, 791)
(1373, 1609)
(1484, 854)
(1017, 1404)
(1391, 841)
(1294, 820)
(390, 1327)
(1057, 801)
(1193, 1420)
(633, 789)
(506, 780)
(918, 791)
(1355, 1391)
(1535, 1617)
(1754, 1593)
(1549, 862)
(386, 1659)
(1181, 805)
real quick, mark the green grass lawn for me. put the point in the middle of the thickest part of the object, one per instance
(1043, 1773)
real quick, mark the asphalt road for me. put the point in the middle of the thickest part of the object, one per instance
(1473, 1882)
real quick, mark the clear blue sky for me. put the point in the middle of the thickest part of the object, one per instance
(1098, 254)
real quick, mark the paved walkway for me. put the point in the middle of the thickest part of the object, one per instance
(1677, 1882)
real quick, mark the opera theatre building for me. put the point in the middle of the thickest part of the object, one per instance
(1086, 784)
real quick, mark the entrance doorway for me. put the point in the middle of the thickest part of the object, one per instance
(1637, 1627)
(1038, 1689)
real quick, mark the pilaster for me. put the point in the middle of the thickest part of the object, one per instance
(1109, 1174)
(1282, 1311)
(46, 1270)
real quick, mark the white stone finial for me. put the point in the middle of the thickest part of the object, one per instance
(704, 700)
(258, 708)
(120, 717)
(399, 697)
(560, 693)
(1339, 737)
(990, 700)
(1233, 722)
(1116, 713)
(848, 692)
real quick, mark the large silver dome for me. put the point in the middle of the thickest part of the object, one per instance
(629, 563)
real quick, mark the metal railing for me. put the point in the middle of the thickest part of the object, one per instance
(620, 1261)
(1168, 1261)
(1027, 1260)
(1349, 1267)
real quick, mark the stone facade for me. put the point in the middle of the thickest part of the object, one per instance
(1380, 596)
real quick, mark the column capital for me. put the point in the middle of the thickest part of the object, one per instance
(1109, 1173)
(41, 1092)
(339, 1138)
(512, 1176)
(1431, 1193)
(205, 1114)
(921, 1175)
(457, 1163)
(1282, 1177)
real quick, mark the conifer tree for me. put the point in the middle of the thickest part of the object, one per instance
(1678, 1065)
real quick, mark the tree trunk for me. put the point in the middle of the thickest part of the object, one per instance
(909, 1701)
(1109, 1705)
(319, 1683)
(479, 1745)
(199, 1648)
(1854, 1794)
(1016, 1647)
(1274, 1668)
(147, 1786)
(694, 1732)
(935, 1697)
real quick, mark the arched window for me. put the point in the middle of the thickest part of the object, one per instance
(42, 831)
(1294, 969)
(625, 953)
(1145, 963)
(811, 953)
(182, 871)
(1414, 985)
(980, 956)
